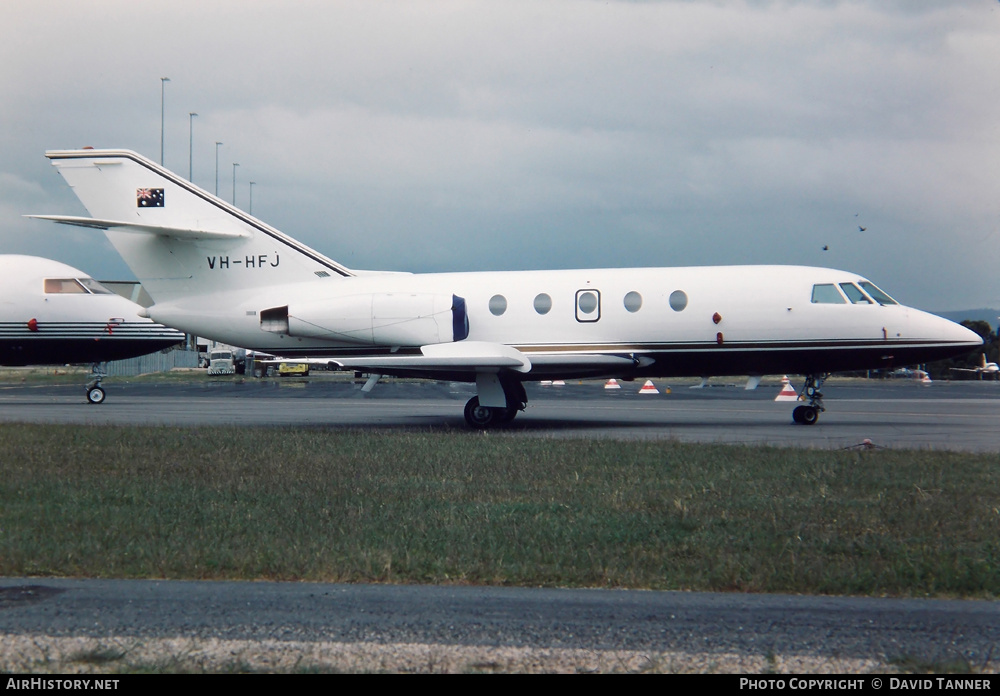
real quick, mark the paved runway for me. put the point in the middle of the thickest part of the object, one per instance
(943, 415)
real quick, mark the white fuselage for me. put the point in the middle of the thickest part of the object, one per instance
(723, 320)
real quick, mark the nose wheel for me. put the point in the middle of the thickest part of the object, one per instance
(95, 395)
(805, 415)
(808, 414)
(95, 392)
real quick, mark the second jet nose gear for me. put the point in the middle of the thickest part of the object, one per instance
(95, 392)
(808, 414)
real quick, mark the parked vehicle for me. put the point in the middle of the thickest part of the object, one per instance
(286, 369)
(221, 362)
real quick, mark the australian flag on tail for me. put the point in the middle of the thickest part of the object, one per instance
(149, 198)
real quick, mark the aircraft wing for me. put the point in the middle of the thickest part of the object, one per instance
(175, 232)
(462, 356)
(472, 356)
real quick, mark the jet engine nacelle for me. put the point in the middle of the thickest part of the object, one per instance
(381, 319)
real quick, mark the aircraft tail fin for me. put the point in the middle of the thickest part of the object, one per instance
(177, 238)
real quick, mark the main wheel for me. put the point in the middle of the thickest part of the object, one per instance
(95, 395)
(479, 416)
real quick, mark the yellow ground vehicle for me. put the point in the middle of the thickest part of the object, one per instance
(286, 369)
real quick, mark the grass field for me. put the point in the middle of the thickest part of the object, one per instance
(242, 503)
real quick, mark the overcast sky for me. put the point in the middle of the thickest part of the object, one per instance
(507, 134)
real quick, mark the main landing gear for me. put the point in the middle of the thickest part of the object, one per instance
(482, 417)
(809, 413)
(95, 392)
(487, 416)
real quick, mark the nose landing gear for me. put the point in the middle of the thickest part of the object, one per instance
(95, 392)
(809, 413)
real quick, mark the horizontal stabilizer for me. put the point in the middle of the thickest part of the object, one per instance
(172, 232)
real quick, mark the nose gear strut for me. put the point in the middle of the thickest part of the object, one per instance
(809, 413)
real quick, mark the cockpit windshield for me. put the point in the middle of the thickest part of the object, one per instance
(854, 294)
(876, 293)
(826, 293)
(834, 293)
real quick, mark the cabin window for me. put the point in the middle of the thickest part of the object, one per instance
(587, 302)
(588, 305)
(633, 301)
(877, 294)
(678, 300)
(64, 286)
(826, 293)
(854, 294)
(543, 303)
(498, 305)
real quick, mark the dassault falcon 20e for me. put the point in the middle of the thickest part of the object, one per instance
(215, 271)
(53, 314)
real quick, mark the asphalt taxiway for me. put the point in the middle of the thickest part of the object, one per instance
(900, 414)
(266, 625)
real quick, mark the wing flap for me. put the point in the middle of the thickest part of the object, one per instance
(473, 356)
(173, 232)
(463, 356)
(586, 360)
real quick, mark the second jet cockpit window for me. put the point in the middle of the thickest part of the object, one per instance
(74, 286)
(64, 286)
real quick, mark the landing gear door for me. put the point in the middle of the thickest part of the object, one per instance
(588, 306)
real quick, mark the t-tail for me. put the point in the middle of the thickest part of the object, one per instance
(180, 240)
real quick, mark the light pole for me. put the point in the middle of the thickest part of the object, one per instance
(217, 143)
(163, 85)
(235, 165)
(191, 116)
(251, 197)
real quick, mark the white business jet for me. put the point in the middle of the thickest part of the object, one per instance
(54, 314)
(215, 271)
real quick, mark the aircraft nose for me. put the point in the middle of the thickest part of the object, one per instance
(957, 334)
